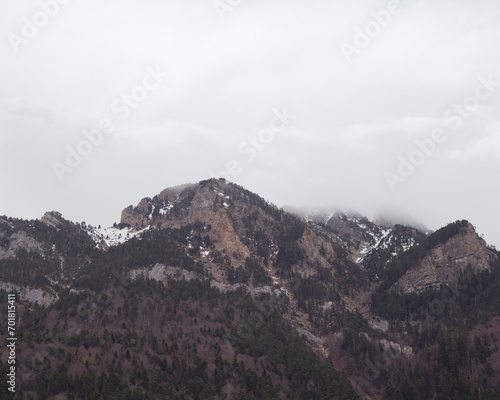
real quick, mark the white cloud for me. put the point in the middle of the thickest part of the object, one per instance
(353, 120)
(483, 146)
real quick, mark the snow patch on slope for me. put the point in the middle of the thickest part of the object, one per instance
(113, 236)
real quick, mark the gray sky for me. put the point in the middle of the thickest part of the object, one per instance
(363, 82)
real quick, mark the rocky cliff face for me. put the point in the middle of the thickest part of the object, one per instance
(40, 253)
(354, 228)
(52, 219)
(30, 295)
(370, 242)
(444, 263)
(18, 235)
(157, 211)
(233, 217)
(323, 275)
(13, 242)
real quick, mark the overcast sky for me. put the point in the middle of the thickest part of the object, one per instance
(181, 92)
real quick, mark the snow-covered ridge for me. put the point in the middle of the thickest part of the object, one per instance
(385, 241)
(377, 237)
(113, 236)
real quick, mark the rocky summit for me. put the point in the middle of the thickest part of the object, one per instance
(207, 291)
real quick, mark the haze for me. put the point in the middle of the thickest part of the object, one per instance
(182, 92)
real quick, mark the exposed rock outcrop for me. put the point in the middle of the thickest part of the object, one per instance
(30, 295)
(444, 263)
(20, 241)
(52, 219)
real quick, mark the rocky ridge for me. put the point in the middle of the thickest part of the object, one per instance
(323, 272)
(445, 262)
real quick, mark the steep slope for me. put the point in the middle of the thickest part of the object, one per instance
(439, 259)
(208, 291)
(232, 274)
(444, 262)
(239, 239)
(437, 296)
(372, 242)
(240, 224)
(38, 258)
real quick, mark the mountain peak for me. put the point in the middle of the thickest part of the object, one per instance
(212, 252)
(52, 219)
(450, 251)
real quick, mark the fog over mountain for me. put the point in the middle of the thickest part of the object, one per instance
(386, 105)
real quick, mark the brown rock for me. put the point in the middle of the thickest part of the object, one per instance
(445, 262)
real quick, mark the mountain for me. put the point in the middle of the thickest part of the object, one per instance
(208, 291)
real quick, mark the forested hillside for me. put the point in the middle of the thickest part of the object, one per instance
(207, 291)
